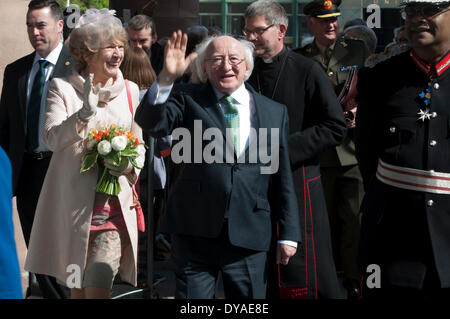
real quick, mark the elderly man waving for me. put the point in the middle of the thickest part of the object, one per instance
(218, 212)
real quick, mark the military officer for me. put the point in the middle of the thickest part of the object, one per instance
(403, 150)
(341, 178)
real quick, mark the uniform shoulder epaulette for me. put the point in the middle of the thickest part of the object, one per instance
(345, 41)
(304, 49)
(376, 59)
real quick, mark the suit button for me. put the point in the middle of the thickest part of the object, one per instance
(433, 143)
(433, 115)
(392, 129)
(436, 86)
(430, 203)
(330, 73)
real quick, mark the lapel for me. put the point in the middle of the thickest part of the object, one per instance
(208, 100)
(23, 83)
(313, 52)
(339, 52)
(63, 68)
(260, 118)
(64, 64)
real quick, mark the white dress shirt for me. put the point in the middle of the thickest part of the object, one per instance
(52, 58)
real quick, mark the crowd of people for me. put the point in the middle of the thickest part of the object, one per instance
(356, 140)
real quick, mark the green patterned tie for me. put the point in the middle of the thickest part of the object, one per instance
(232, 119)
(34, 107)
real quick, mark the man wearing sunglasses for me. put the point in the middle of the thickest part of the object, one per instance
(316, 124)
(340, 58)
(403, 150)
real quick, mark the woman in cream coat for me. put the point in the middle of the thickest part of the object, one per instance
(94, 96)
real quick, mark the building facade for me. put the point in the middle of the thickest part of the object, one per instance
(384, 16)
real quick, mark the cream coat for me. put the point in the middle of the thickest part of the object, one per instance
(60, 233)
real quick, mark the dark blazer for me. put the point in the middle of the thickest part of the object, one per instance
(205, 193)
(13, 106)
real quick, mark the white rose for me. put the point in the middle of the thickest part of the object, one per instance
(119, 143)
(140, 161)
(104, 148)
(140, 149)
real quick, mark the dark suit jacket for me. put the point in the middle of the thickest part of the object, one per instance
(204, 193)
(13, 105)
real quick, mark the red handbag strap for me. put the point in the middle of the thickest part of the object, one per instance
(130, 103)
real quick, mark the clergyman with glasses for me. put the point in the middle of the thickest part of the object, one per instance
(402, 146)
(316, 124)
(218, 212)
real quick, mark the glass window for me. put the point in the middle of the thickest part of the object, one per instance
(210, 7)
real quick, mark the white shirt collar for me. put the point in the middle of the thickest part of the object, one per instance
(52, 57)
(241, 96)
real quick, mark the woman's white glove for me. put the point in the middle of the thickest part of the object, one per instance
(90, 99)
(124, 168)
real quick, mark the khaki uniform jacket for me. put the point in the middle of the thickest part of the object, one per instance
(346, 53)
(60, 233)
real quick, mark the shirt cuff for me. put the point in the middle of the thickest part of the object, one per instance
(288, 242)
(158, 94)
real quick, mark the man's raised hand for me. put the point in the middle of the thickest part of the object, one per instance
(175, 62)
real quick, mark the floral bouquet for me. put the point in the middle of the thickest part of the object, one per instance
(114, 145)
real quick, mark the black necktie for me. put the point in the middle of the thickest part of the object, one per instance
(34, 107)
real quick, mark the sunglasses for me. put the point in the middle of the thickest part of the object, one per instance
(426, 11)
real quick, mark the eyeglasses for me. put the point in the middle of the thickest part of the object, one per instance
(426, 11)
(218, 60)
(256, 32)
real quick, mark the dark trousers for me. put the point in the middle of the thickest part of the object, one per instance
(29, 187)
(344, 192)
(199, 260)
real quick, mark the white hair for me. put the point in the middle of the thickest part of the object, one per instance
(198, 75)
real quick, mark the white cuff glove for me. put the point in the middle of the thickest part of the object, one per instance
(90, 99)
(124, 168)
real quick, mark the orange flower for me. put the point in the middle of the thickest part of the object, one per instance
(106, 132)
(136, 142)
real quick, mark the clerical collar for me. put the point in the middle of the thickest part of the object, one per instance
(275, 58)
(431, 70)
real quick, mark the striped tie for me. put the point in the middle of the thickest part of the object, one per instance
(34, 107)
(232, 119)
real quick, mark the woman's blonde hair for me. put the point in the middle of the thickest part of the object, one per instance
(84, 42)
(136, 67)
